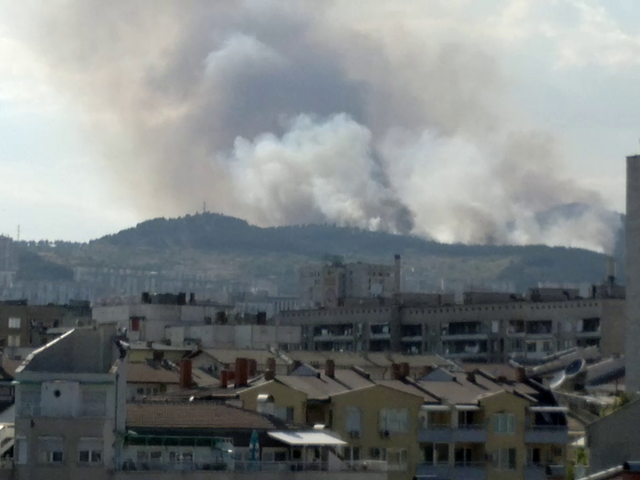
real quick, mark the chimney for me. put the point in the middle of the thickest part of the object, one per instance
(186, 374)
(396, 371)
(242, 372)
(182, 298)
(405, 370)
(471, 377)
(269, 375)
(611, 271)
(295, 365)
(397, 275)
(271, 364)
(224, 378)
(253, 367)
(330, 368)
(426, 370)
(521, 374)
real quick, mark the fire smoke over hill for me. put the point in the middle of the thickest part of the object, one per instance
(299, 112)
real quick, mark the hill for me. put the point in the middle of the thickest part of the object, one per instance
(232, 249)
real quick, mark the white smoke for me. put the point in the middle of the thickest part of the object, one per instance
(297, 112)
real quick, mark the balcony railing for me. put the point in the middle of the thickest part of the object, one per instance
(470, 432)
(556, 434)
(250, 467)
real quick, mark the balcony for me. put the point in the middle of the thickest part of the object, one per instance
(470, 471)
(435, 434)
(470, 433)
(257, 467)
(538, 471)
(589, 333)
(556, 434)
(440, 471)
(464, 336)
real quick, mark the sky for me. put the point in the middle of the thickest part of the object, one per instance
(568, 67)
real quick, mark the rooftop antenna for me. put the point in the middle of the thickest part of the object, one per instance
(204, 207)
(18, 237)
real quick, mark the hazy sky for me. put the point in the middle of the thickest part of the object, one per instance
(571, 67)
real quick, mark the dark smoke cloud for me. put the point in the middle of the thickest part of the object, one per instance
(275, 112)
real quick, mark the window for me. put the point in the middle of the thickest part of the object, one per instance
(546, 346)
(142, 456)
(504, 423)
(14, 322)
(13, 340)
(394, 420)
(495, 326)
(181, 457)
(280, 456)
(436, 453)
(377, 453)
(90, 450)
(397, 458)
(29, 405)
(531, 347)
(50, 450)
(21, 455)
(505, 459)
(352, 454)
(353, 420)
(284, 413)
(557, 451)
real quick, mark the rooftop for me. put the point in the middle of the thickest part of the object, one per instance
(204, 415)
(77, 351)
(155, 373)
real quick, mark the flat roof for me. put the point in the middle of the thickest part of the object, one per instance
(306, 438)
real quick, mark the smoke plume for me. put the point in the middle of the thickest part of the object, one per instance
(286, 112)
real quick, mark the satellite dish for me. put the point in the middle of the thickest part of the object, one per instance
(574, 367)
(571, 377)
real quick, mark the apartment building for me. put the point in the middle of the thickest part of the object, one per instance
(444, 425)
(73, 422)
(524, 329)
(331, 284)
(23, 325)
(8, 262)
(70, 406)
(181, 320)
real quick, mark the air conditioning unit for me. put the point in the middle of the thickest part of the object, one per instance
(354, 433)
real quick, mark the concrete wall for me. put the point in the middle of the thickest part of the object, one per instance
(633, 274)
(613, 327)
(614, 439)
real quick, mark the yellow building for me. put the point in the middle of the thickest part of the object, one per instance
(447, 425)
(485, 428)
